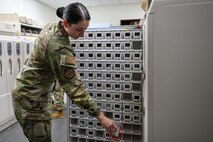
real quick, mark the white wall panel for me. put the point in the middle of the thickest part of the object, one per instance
(111, 14)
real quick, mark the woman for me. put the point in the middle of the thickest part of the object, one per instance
(52, 59)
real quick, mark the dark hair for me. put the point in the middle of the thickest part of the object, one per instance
(73, 13)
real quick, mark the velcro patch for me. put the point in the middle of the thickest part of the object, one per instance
(69, 73)
(70, 61)
(62, 50)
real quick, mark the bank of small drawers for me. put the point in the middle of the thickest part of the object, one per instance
(109, 62)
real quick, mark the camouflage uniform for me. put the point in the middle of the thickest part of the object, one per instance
(58, 96)
(51, 59)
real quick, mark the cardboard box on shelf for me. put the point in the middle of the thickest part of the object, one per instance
(23, 19)
(9, 17)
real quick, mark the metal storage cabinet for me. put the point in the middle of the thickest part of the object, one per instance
(11, 60)
(178, 69)
(110, 64)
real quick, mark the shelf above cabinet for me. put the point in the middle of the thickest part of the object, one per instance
(30, 30)
(30, 26)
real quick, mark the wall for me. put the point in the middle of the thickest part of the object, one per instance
(113, 14)
(103, 14)
(29, 8)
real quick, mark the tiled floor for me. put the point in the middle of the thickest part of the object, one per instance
(15, 134)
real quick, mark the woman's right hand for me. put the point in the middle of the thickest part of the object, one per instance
(107, 123)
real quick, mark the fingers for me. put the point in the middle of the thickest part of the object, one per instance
(108, 124)
(111, 128)
(114, 126)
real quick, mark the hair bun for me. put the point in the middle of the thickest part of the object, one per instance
(60, 12)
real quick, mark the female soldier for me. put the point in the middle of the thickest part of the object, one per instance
(52, 59)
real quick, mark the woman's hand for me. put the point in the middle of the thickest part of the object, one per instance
(107, 123)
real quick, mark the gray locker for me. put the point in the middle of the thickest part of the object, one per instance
(178, 70)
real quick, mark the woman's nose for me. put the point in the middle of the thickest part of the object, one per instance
(82, 33)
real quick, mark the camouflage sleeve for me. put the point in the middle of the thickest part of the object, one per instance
(63, 64)
(58, 96)
(58, 89)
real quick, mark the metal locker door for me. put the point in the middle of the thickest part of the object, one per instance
(11, 115)
(17, 65)
(7, 114)
(18, 57)
(10, 64)
(178, 84)
(3, 86)
(26, 49)
(3, 112)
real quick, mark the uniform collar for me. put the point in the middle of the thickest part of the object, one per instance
(61, 29)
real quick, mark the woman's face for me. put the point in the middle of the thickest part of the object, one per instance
(76, 30)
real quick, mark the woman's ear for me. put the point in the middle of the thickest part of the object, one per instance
(65, 23)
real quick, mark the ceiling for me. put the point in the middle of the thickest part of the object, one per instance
(88, 3)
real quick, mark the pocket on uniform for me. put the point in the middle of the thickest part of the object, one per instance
(37, 130)
(34, 106)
